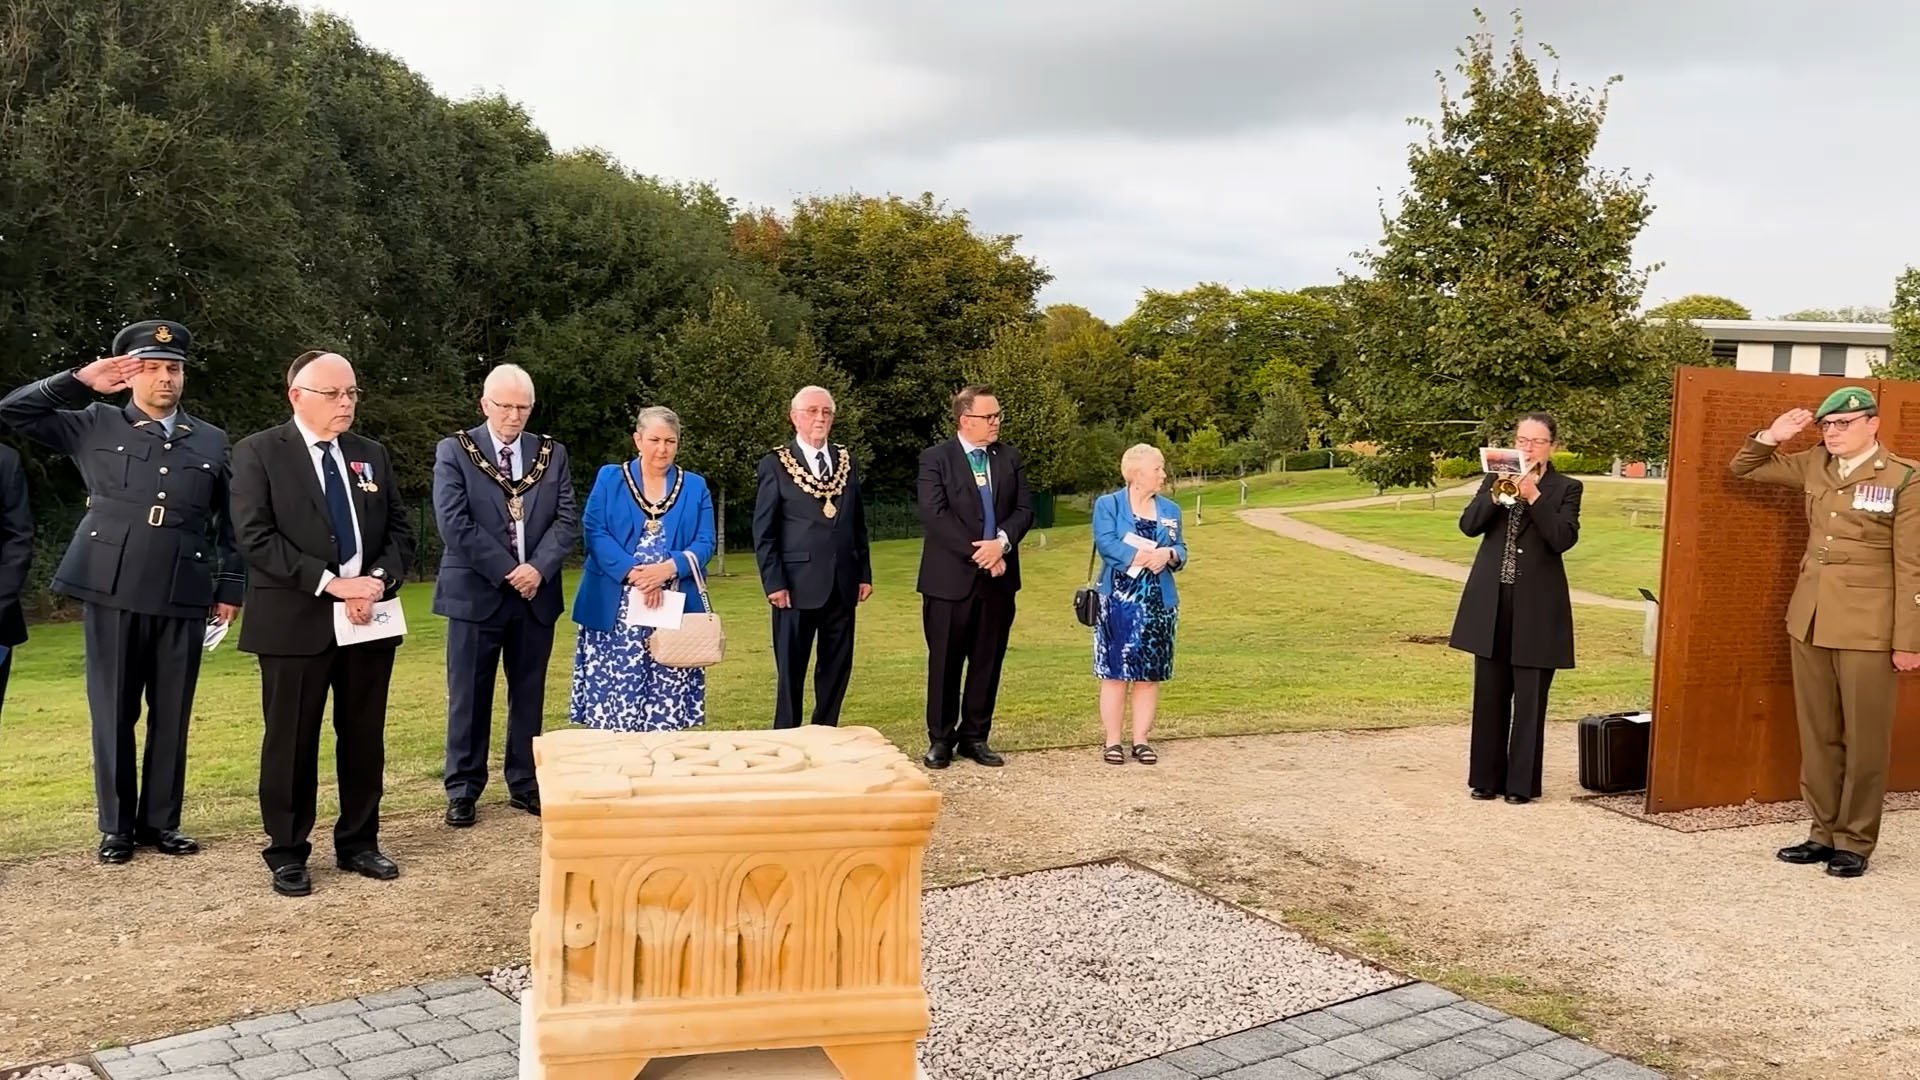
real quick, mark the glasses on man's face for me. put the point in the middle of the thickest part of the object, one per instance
(989, 417)
(351, 393)
(1839, 423)
(817, 412)
(515, 409)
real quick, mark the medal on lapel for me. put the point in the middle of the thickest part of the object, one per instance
(363, 472)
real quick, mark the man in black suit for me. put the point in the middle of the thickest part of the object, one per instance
(16, 557)
(975, 509)
(319, 518)
(810, 541)
(504, 504)
(151, 562)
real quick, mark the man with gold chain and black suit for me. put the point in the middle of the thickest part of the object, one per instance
(810, 542)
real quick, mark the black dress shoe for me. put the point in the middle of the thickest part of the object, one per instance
(939, 756)
(116, 848)
(1808, 852)
(460, 813)
(1483, 794)
(980, 753)
(369, 864)
(529, 803)
(169, 842)
(292, 880)
(1519, 800)
(1846, 864)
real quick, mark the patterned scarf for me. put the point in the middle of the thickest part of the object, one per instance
(1507, 568)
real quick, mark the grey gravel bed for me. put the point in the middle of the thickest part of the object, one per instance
(68, 1071)
(1059, 974)
(1708, 818)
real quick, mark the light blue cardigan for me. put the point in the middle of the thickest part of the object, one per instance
(611, 526)
(1113, 522)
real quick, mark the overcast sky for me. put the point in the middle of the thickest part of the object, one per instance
(1139, 144)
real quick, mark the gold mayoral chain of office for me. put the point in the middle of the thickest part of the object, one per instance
(654, 510)
(515, 489)
(824, 490)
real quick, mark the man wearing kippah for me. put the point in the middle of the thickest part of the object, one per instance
(152, 563)
(1857, 600)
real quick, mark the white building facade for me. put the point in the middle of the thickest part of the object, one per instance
(1841, 350)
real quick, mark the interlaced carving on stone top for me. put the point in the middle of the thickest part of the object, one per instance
(595, 765)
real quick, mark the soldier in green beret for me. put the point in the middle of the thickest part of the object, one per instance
(1857, 601)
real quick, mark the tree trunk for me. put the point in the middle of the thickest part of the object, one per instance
(720, 532)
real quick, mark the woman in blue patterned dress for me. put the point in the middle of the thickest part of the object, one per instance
(1136, 530)
(645, 519)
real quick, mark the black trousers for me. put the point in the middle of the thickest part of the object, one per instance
(474, 651)
(293, 692)
(966, 642)
(1509, 715)
(128, 656)
(794, 630)
(6, 671)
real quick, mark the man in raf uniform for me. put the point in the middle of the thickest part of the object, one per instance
(152, 561)
(1857, 600)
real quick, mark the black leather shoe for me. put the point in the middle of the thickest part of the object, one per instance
(939, 755)
(169, 842)
(369, 864)
(292, 880)
(460, 813)
(529, 803)
(1519, 800)
(1808, 852)
(980, 753)
(1846, 864)
(1483, 794)
(116, 848)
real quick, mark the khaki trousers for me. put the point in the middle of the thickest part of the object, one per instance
(1844, 699)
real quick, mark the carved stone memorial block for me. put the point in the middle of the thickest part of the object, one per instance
(713, 891)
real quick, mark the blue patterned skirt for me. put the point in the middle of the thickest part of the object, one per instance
(1133, 635)
(619, 686)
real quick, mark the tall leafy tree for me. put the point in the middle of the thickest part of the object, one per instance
(1905, 317)
(1505, 282)
(1866, 314)
(1039, 419)
(1700, 306)
(1085, 354)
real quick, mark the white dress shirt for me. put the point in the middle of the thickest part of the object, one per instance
(968, 449)
(813, 455)
(350, 568)
(519, 470)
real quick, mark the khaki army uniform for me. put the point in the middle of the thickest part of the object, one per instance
(1856, 602)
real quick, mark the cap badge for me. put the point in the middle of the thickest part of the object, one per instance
(161, 334)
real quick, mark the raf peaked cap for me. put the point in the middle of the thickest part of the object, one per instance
(155, 339)
(1845, 399)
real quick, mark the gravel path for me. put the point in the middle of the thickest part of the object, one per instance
(1707, 818)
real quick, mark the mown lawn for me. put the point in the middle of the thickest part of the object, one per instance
(1615, 556)
(1275, 636)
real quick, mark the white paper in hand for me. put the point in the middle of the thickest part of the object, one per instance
(388, 621)
(1135, 540)
(673, 604)
(216, 631)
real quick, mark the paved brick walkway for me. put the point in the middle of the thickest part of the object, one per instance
(1413, 1032)
(463, 1029)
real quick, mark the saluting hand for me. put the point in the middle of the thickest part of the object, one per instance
(109, 374)
(1905, 661)
(1788, 424)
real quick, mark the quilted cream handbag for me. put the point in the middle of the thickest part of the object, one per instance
(698, 641)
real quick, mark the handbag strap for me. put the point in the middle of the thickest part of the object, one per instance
(1092, 555)
(699, 580)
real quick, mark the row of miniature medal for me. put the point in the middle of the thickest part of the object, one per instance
(1873, 499)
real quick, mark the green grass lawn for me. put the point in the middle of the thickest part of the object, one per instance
(1614, 557)
(1275, 636)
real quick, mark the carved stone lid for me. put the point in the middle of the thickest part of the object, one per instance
(584, 766)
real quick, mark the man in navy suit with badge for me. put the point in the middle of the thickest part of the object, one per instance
(151, 563)
(504, 503)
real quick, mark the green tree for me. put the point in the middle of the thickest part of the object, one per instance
(1085, 354)
(1208, 354)
(1866, 314)
(900, 293)
(1905, 317)
(1281, 427)
(733, 389)
(1504, 284)
(1701, 306)
(1039, 419)
(1201, 453)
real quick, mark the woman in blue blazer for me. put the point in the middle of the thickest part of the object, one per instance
(1136, 530)
(648, 525)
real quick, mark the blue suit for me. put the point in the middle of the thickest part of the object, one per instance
(488, 619)
(1113, 523)
(613, 525)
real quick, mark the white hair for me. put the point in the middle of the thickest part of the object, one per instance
(1137, 455)
(509, 375)
(807, 390)
(657, 414)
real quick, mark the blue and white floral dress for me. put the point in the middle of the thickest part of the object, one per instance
(1133, 636)
(619, 686)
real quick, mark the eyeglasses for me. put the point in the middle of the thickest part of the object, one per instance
(351, 393)
(989, 417)
(1838, 424)
(510, 408)
(817, 410)
(1532, 442)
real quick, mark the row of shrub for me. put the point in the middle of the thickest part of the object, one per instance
(1564, 461)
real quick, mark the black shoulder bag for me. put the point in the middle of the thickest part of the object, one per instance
(1086, 599)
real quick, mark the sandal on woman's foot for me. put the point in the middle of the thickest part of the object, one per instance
(1114, 756)
(1144, 754)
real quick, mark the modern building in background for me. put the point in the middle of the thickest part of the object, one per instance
(1842, 350)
